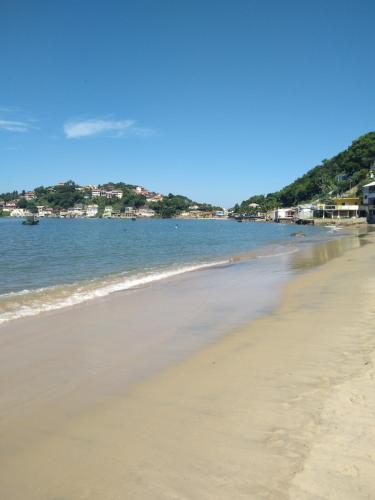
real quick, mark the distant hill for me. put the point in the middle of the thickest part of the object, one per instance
(348, 171)
(119, 195)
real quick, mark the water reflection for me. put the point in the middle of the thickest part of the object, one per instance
(313, 255)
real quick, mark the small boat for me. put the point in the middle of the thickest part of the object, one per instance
(134, 218)
(31, 220)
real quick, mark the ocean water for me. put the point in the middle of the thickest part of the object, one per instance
(64, 262)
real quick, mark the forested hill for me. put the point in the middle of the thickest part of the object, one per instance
(348, 170)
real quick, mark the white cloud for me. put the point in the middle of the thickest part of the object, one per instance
(113, 128)
(15, 126)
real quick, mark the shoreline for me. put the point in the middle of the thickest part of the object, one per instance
(32, 302)
(254, 415)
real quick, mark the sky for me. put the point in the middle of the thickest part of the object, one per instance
(216, 100)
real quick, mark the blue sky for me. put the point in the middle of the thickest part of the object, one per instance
(216, 100)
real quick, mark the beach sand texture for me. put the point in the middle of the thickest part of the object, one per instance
(283, 408)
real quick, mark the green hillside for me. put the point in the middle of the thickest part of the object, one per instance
(348, 170)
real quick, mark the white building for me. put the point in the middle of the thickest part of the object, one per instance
(30, 195)
(96, 193)
(44, 211)
(76, 211)
(91, 210)
(145, 212)
(108, 210)
(305, 212)
(285, 214)
(19, 212)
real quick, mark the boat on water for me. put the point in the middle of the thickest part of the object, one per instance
(31, 220)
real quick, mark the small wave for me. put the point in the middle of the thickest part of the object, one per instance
(75, 294)
(279, 254)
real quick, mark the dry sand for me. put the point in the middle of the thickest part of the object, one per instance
(281, 409)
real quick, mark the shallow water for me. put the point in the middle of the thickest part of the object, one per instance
(64, 262)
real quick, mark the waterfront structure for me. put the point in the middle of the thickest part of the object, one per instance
(343, 207)
(129, 213)
(369, 201)
(92, 210)
(44, 211)
(76, 211)
(19, 212)
(285, 214)
(305, 212)
(145, 212)
(108, 212)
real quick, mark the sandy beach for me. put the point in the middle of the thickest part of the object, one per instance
(282, 408)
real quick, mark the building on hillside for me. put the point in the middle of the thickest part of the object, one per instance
(92, 210)
(95, 193)
(154, 198)
(29, 196)
(143, 191)
(369, 201)
(114, 193)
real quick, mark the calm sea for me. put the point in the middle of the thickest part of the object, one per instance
(63, 262)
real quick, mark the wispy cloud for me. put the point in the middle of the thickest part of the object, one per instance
(76, 129)
(15, 126)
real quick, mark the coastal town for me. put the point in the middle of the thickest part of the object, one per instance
(102, 201)
(105, 202)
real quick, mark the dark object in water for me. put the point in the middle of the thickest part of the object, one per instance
(31, 220)
(298, 234)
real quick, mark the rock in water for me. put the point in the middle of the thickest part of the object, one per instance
(298, 234)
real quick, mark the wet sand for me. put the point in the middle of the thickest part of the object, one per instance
(281, 408)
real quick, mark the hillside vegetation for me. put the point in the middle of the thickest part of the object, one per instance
(68, 194)
(348, 170)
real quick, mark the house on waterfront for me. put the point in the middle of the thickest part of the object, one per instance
(343, 207)
(92, 210)
(76, 211)
(19, 212)
(305, 212)
(107, 214)
(129, 213)
(369, 201)
(9, 206)
(44, 211)
(285, 214)
(145, 212)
